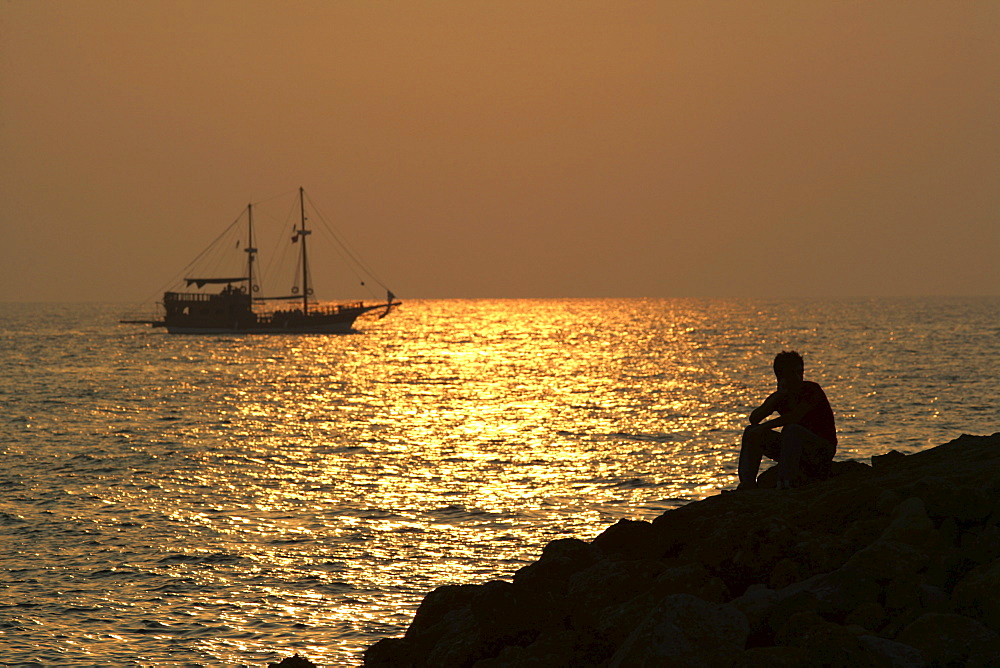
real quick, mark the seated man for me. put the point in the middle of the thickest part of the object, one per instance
(808, 437)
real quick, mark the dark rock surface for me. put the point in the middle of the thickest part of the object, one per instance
(293, 662)
(894, 564)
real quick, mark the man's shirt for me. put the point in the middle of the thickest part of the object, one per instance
(819, 415)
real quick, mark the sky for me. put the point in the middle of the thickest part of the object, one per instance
(474, 149)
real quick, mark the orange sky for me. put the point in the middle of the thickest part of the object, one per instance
(510, 149)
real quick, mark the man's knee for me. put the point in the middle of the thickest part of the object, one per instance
(752, 436)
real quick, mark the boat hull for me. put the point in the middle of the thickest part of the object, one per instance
(324, 328)
(231, 312)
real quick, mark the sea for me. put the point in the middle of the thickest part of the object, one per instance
(170, 500)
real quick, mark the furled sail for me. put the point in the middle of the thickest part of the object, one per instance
(202, 282)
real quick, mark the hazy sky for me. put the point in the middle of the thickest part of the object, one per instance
(510, 149)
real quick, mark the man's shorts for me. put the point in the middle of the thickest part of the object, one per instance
(817, 452)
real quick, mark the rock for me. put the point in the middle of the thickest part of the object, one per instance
(437, 606)
(905, 546)
(833, 645)
(978, 595)
(800, 627)
(944, 498)
(934, 599)
(295, 661)
(887, 461)
(458, 625)
(756, 605)
(560, 559)
(553, 649)
(616, 623)
(786, 572)
(835, 506)
(502, 619)
(911, 525)
(891, 653)
(833, 595)
(889, 560)
(952, 640)
(865, 531)
(823, 643)
(849, 467)
(391, 653)
(557, 649)
(772, 657)
(887, 502)
(981, 544)
(821, 553)
(950, 531)
(946, 568)
(869, 615)
(901, 594)
(691, 579)
(685, 631)
(607, 583)
(630, 539)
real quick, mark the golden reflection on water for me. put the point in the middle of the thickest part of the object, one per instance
(448, 451)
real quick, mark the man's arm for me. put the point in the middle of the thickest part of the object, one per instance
(769, 406)
(793, 416)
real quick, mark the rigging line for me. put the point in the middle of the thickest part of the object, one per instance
(345, 262)
(176, 278)
(277, 259)
(357, 260)
(267, 226)
(287, 193)
(349, 262)
(343, 244)
(212, 245)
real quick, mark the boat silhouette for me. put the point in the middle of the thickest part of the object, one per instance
(240, 308)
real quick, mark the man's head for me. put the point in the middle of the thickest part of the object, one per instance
(788, 367)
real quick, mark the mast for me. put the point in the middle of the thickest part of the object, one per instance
(250, 251)
(303, 232)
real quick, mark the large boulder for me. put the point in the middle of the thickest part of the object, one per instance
(832, 595)
(978, 595)
(685, 631)
(952, 640)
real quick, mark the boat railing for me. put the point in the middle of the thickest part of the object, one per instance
(314, 310)
(334, 309)
(196, 296)
(186, 297)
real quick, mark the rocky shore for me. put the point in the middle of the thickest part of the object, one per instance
(896, 563)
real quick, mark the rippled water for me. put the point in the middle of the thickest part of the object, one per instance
(171, 500)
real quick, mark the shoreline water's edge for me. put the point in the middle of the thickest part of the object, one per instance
(896, 563)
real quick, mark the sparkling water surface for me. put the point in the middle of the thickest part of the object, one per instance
(229, 500)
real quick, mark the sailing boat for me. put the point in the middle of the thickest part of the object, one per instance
(236, 308)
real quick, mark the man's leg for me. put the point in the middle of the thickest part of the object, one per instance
(796, 442)
(755, 444)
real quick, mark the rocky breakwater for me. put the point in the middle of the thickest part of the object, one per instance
(892, 564)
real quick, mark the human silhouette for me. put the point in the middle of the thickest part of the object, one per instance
(805, 446)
